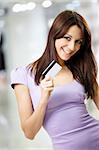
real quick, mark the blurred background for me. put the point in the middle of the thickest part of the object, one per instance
(24, 25)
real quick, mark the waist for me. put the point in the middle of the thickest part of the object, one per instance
(67, 120)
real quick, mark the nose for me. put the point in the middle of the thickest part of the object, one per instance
(71, 45)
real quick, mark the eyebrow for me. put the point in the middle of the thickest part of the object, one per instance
(71, 37)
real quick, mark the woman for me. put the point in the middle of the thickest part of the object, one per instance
(58, 103)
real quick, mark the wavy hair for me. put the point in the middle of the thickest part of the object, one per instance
(82, 64)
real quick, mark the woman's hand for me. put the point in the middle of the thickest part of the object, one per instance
(47, 87)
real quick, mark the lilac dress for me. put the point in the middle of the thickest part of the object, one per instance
(66, 120)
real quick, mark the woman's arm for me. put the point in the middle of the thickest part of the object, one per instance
(32, 120)
(96, 99)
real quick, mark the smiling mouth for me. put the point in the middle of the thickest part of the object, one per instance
(66, 51)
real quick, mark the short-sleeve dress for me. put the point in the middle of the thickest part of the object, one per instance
(66, 120)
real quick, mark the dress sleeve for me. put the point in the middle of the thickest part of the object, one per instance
(18, 76)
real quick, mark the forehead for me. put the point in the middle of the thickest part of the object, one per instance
(75, 31)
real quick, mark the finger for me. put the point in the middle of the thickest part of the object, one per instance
(49, 88)
(47, 78)
(47, 84)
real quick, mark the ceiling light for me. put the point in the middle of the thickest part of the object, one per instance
(16, 8)
(23, 7)
(31, 5)
(47, 3)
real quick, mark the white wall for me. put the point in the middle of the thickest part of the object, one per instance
(25, 40)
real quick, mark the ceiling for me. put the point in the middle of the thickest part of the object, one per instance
(23, 1)
(7, 4)
(39, 1)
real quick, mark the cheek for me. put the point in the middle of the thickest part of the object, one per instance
(57, 46)
(58, 43)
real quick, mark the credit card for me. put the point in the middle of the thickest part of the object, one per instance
(52, 69)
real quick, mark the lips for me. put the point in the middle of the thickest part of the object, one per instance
(65, 50)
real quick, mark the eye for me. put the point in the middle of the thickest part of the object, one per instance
(67, 38)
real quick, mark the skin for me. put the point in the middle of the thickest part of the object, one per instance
(65, 47)
(69, 44)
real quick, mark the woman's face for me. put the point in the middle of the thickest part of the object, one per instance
(69, 44)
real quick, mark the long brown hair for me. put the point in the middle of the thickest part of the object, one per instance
(82, 64)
